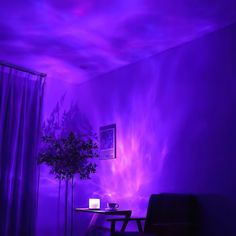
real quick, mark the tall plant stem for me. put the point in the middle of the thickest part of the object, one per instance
(58, 208)
(72, 205)
(66, 207)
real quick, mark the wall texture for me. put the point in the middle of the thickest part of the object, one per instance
(175, 115)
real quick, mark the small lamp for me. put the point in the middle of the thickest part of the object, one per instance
(94, 203)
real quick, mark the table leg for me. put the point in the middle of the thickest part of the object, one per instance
(140, 228)
(113, 226)
(127, 216)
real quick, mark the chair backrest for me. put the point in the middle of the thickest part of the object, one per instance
(170, 209)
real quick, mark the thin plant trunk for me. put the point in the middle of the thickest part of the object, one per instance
(66, 207)
(72, 205)
(58, 208)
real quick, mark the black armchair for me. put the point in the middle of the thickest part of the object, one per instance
(167, 215)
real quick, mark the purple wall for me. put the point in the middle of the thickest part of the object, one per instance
(175, 115)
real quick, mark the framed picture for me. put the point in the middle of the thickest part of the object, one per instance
(107, 138)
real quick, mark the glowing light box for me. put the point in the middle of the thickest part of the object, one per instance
(94, 203)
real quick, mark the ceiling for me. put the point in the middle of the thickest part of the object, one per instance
(75, 40)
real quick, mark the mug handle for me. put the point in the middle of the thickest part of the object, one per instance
(117, 205)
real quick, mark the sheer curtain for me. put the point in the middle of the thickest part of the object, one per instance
(21, 95)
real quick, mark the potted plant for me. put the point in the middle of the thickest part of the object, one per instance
(68, 147)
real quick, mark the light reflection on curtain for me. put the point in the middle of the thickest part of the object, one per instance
(20, 115)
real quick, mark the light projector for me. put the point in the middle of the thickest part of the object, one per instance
(94, 203)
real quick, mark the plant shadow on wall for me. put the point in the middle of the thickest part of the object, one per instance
(68, 146)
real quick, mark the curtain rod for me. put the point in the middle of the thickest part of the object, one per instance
(20, 68)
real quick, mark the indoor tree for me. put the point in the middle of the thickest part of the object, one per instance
(68, 147)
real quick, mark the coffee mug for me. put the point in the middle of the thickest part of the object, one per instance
(112, 205)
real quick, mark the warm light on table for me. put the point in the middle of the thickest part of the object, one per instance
(94, 203)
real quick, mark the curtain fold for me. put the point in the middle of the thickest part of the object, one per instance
(21, 97)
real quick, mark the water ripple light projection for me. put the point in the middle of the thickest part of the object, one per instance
(76, 40)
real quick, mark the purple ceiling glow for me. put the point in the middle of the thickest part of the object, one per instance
(76, 40)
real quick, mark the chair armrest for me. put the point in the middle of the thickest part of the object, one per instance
(126, 219)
